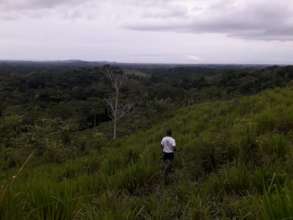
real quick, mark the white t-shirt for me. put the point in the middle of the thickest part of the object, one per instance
(168, 144)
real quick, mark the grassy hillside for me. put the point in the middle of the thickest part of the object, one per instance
(234, 161)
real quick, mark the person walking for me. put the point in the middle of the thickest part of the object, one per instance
(168, 145)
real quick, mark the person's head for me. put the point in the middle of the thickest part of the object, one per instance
(169, 132)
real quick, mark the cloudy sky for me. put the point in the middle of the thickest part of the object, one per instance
(148, 31)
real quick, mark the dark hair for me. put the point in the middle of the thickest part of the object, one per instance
(169, 132)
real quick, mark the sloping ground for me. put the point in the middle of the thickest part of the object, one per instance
(234, 161)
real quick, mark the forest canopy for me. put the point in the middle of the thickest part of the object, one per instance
(233, 126)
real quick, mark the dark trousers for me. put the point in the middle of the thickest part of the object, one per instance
(168, 156)
(167, 165)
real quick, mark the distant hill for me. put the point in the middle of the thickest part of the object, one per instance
(24, 67)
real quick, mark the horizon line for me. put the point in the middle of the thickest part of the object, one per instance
(141, 63)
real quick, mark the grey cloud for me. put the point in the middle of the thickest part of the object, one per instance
(35, 9)
(122, 9)
(16, 5)
(260, 20)
(247, 19)
(165, 13)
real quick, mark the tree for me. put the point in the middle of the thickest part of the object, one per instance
(118, 110)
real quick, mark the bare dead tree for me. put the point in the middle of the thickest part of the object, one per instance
(118, 110)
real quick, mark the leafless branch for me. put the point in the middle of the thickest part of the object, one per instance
(118, 110)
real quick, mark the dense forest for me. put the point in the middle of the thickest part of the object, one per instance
(60, 160)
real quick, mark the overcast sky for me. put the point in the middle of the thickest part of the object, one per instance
(148, 31)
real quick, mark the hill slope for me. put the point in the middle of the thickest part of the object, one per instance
(234, 160)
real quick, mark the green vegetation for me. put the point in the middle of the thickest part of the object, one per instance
(60, 110)
(234, 161)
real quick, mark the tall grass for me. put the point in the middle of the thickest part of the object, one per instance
(278, 204)
(228, 154)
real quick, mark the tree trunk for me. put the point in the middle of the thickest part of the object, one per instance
(115, 119)
(114, 129)
(95, 121)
